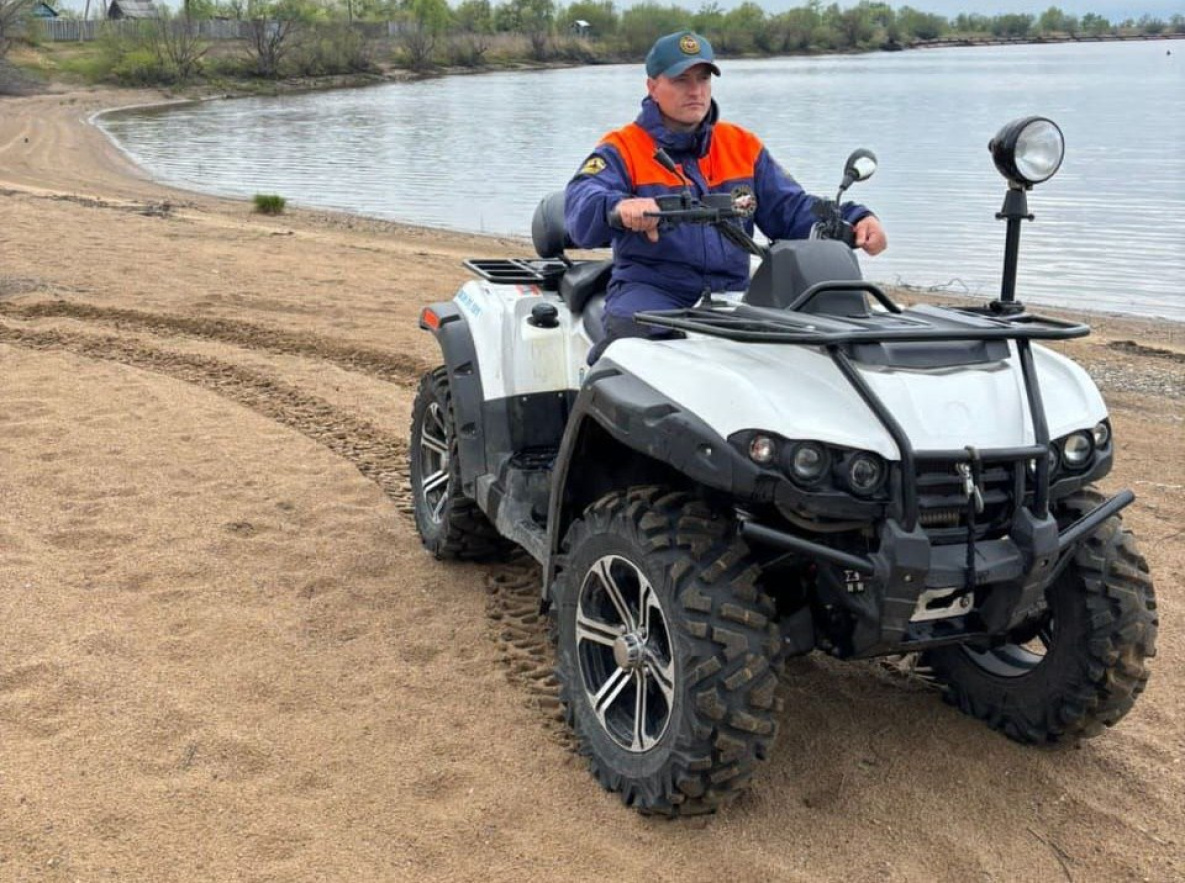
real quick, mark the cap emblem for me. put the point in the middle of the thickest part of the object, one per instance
(689, 45)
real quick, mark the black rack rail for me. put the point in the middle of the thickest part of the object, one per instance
(835, 334)
(520, 271)
(760, 326)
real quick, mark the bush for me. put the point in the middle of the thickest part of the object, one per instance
(333, 49)
(269, 204)
(141, 67)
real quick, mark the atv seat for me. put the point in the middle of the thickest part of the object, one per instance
(583, 280)
(593, 318)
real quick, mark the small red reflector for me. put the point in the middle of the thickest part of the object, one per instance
(429, 319)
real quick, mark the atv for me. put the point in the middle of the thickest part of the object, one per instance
(806, 466)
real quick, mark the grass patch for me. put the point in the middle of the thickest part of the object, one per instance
(269, 204)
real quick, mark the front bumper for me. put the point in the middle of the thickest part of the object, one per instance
(910, 594)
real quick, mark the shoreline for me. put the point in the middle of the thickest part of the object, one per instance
(115, 168)
(906, 288)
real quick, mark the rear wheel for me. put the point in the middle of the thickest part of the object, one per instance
(450, 524)
(1079, 667)
(664, 652)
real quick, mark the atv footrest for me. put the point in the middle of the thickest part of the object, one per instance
(534, 459)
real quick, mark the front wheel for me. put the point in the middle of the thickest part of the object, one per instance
(664, 652)
(1080, 666)
(450, 524)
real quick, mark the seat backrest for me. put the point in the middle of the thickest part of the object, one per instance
(547, 226)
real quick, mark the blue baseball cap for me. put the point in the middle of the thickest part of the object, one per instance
(675, 53)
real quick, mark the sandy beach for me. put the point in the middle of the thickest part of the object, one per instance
(225, 656)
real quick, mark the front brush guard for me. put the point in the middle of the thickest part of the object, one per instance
(884, 587)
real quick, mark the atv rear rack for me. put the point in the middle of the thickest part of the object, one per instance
(520, 271)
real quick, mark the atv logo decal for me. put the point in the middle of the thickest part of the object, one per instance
(689, 45)
(744, 201)
(592, 166)
(465, 299)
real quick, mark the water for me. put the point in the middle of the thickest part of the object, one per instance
(477, 153)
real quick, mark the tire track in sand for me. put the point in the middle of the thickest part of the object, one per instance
(395, 368)
(512, 588)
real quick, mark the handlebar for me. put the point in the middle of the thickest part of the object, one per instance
(713, 209)
(693, 215)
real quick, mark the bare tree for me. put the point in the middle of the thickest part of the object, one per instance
(176, 41)
(12, 19)
(270, 34)
(424, 21)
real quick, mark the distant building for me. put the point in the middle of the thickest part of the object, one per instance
(581, 28)
(43, 11)
(132, 9)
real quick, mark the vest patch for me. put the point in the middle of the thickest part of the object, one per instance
(592, 166)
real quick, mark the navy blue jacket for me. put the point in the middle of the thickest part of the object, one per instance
(691, 259)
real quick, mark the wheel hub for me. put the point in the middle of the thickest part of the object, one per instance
(629, 650)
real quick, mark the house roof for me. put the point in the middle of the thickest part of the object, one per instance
(133, 9)
(44, 10)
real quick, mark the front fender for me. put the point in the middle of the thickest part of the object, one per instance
(618, 408)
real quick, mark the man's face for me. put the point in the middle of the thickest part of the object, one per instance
(685, 99)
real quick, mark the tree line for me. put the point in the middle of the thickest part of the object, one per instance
(319, 37)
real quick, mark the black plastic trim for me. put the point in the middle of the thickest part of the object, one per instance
(460, 358)
(641, 418)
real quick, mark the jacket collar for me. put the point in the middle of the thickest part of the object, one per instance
(695, 143)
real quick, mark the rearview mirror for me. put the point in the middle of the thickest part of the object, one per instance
(860, 166)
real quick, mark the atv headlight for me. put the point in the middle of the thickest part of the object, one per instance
(1102, 435)
(762, 450)
(865, 473)
(1077, 448)
(807, 463)
(1028, 151)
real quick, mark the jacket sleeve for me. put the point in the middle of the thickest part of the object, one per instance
(784, 209)
(601, 183)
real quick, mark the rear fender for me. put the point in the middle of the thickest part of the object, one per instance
(451, 329)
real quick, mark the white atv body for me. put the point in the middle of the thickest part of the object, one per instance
(808, 467)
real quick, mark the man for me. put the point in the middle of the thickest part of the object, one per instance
(675, 270)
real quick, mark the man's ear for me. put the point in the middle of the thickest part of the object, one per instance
(651, 83)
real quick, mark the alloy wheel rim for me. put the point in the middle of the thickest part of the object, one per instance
(434, 462)
(623, 645)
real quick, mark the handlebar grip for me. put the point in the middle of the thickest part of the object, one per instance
(849, 235)
(615, 219)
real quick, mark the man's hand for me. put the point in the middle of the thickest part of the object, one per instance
(633, 216)
(870, 235)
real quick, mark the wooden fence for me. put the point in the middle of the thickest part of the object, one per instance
(66, 30)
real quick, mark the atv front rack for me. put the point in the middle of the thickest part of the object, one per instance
(841, 335)
(764, 325)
